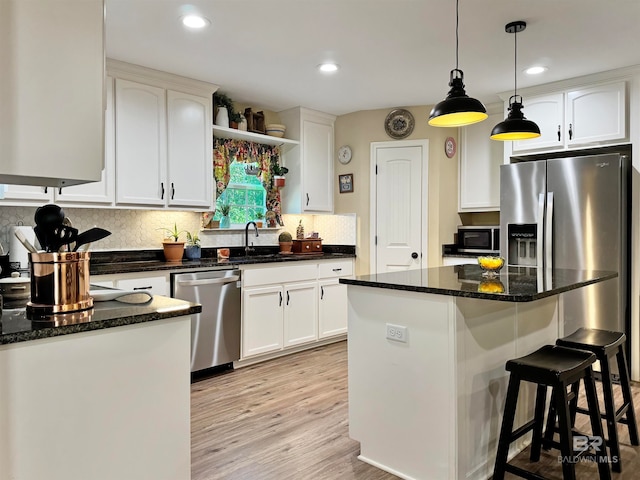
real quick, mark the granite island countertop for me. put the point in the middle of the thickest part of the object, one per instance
(514, 284)
(15, 327)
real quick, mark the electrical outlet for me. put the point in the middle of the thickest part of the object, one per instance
(397, 333)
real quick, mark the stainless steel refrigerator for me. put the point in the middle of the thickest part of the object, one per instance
(573, 213)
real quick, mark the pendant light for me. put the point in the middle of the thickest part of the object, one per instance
(458, 109)
(515, 126)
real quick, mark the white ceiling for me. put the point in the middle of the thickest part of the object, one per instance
(392, 52)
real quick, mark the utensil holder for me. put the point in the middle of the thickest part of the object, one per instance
(59, 283)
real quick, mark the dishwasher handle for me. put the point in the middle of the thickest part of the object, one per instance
(209, 281)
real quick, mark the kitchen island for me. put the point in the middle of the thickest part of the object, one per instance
(427, 354)
(99, 394)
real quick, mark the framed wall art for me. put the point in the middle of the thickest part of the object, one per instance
(346, 183)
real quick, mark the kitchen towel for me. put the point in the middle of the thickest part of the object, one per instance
(18, 255)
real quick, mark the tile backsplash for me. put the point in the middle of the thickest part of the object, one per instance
(141, 229)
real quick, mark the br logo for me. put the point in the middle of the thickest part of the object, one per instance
(581, 443)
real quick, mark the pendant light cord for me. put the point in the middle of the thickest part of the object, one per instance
(515, 62)
(457, 22)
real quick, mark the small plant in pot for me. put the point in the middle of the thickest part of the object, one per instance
(193, 251)
(173, 247)
(259, 216)
(278, 172)
(225, 209)
(286, 242)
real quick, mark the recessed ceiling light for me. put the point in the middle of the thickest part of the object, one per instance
(535, 70)
(328, 67)
(195, 21)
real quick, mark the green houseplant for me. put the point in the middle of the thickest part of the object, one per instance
(224, 208)
(259, 216)
(286, 242)
(222, 100)
(193, 251)
(172, 246)
(278, 172)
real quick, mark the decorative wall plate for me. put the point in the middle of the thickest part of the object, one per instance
(450, 147)
(399, 123)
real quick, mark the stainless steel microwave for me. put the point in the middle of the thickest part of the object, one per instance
(479, 239)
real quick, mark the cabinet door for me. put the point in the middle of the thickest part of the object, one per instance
(189, 150)
(140, 143)
(300, 313)
(332, 308)
(262, 320)
(102, 192)
(596, 114)
(158, 284)
(479, 167)
(28, 192)
(547, 111)
(317, 145)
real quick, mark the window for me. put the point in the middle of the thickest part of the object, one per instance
(245, 195)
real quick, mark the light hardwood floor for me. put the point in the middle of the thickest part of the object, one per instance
(288, 419)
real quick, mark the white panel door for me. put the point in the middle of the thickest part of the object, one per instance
(400, 208)
(548, 112)
(332, 308)
(317, 143)
(189, 150)
(596, 114)
(28, 192)
(140, 143)
(262, 320)
(300, 313)
(102, 192)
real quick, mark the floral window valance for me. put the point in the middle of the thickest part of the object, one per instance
(225, 151)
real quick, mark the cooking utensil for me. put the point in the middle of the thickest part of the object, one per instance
(62, 235)
(48, 219)
(26, 243)
(92, 235)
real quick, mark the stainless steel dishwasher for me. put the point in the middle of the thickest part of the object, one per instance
(215, 333)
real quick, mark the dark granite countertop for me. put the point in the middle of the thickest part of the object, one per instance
(104, 263)
(514, 284)
(15, 327)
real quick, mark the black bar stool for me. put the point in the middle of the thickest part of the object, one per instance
(556, 367)
(605, 345)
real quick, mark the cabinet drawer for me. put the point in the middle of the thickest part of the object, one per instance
(271, 275)
(340, 268)
(307, 246)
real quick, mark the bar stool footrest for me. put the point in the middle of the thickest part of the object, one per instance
(523, 473)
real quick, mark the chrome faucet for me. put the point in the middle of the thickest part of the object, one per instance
(249, 249)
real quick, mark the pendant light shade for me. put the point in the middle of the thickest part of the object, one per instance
(458, 109)
(515, 126)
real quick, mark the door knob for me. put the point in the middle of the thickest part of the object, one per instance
(414, 255)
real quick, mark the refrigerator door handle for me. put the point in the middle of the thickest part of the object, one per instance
(548, 233)
(540, 232)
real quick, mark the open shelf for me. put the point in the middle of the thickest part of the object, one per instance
(223, 132)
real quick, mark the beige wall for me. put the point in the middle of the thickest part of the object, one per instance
(358, 130)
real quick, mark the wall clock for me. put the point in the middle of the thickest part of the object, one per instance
(344, 154)
(450, 147)
(399, 123)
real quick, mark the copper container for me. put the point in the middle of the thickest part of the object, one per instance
(59, 282)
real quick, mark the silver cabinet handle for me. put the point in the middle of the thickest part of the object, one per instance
(210, 281)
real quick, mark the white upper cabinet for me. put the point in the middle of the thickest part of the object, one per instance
(51, 92)
(189, 142)
(577, 117)
(163, 144)
(479, 167)
(309, 185)
(140, 143)
(548, 113)
(596, 114)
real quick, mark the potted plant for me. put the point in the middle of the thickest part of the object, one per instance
(285, 241)
(193, 251)
(258, 218)
(172, 246)
(225, 208)
(225, 105)
(278, 172)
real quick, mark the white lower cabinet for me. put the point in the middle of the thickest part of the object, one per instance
(262, 320)
(156, 282)
(290, 306)
(300, 313)
(332, 308)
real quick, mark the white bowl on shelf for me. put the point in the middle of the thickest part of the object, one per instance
(275, 130)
